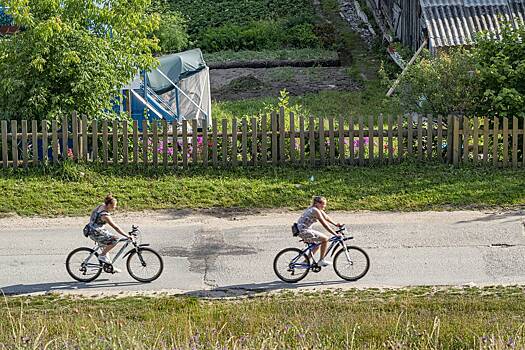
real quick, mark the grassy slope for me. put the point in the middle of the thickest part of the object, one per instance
(418, 318)
(74, 189)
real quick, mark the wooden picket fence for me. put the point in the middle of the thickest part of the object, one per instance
(274, 139)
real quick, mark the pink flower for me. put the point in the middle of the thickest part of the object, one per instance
(170, 151)
(199, 140)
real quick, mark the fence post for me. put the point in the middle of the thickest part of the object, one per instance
(94, 140)
(485, 140)
(331, 140)
(254, 141)
(371, 156)
(165, 143)
(450, 139)
(455, 141)
(115, 141)
(5, 153)
(400, 148)
(514, 142)
(244, 141)
(24, 143)
(135, 142)
(34, 138)
(105, 145)
(292, 138)
(145, 142)
(264, 141)
(84, 138)
(282, 129)
(175, 143)
(215, 141)
(195, 143)
(74, 135)
(54, 140)
(475, 140)
(234, 142)
(125, 142)
(45, 139)
(505, 141)
(495, 141)
(361, 141)
(439, 139)
(302, 139)
(410, 136)
(466, 135)
(14, 143)
(311, 127)
(430, 136)
(205, 142)
(184, 144)
(351, 139)
(64, 138)
(380, 138)
(341, 134)
(321, 141)
(420, 137)
(390, 140)
(224, 142)
(274, 138)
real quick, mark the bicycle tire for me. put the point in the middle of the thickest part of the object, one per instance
(358, 276)
(291, 250)
(88, 251)
(134, 275)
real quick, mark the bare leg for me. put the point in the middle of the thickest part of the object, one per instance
(107, 248)
(324, 246)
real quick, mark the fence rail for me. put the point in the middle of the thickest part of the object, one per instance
(274, 139)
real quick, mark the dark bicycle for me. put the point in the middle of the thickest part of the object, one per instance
(143, 264)
(350, 263)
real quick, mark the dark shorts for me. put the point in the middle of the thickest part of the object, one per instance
(103, 236)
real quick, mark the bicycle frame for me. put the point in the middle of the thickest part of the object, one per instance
(335, 241)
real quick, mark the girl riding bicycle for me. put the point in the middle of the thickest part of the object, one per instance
(101, 216)
(313, 214)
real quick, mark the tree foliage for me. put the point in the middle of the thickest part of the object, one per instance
(72, 55)
(501, 69)
(171, 33)
(486, 80)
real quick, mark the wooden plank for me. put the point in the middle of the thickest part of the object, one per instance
(14, 143)
(64, 126)
(185, 144)
(475, 140)
(495, 141)
(244, 141)
(215, 142)
(311, 129)
(94, 140)
(145, 142)
(54, 141)
(331, 140)
(74, 135)
(361, 141)
(301, 140)
(205, 142)
(505, 142)
(274, 138)
(341, 135)
(466, 136)
(224, 142)
(439, 138)
(321, 141)
(125, 143)
(45, 139)
(292, 138)
(34, 142)
(234, 142)
(455, 141)
(84, 128)
(400, 138)
(195, 142)
(430, 137)
(165, 144)
(420, 137)
(264, 142)
(5, 153)
(390, 122)
(450, 139)
(514, 142)
(523, 142)
(114, 157)
(282, 129)
(351, 140)
(371, 156)
(25, 157)
(155, 142)
(410, 137)
(380, 138)
(175, 143)
(135, 142)
(254, 140)
(105, 142)
(485, 140)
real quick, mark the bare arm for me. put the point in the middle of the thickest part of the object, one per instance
(320, 216)
(327, 218)
(116, 227)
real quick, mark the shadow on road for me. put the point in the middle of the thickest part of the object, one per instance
(255, 288)
(507, 216)
(62, 286)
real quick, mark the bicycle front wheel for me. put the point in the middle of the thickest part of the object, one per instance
(353, 266)
(146, 265)
(82, 264)
(291, 265)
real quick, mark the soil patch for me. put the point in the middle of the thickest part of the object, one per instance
(242, 83)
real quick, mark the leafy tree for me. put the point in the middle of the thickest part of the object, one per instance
(501, 69)
(172, 29)
(72, 55)
(443, 84)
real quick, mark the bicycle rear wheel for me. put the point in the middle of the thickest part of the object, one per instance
(291, 265)
(146, 265)
(354, 267)
(82, 264)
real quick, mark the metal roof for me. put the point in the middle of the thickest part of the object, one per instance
(456, 22)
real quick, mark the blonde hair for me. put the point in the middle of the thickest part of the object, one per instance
(318, 199)
(109, 199)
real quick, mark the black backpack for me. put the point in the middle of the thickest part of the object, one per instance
(295, 230)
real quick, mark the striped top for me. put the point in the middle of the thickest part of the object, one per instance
(307, 219)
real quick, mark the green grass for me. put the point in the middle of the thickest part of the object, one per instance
(270, 55)
(369, 101)
(417, 318)
(75, 189)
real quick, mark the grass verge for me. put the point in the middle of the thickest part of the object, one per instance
(417, 318)
(72, 189)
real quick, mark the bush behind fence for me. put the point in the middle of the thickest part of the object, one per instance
(274, 139)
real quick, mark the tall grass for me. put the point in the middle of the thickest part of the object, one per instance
(418, 318)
